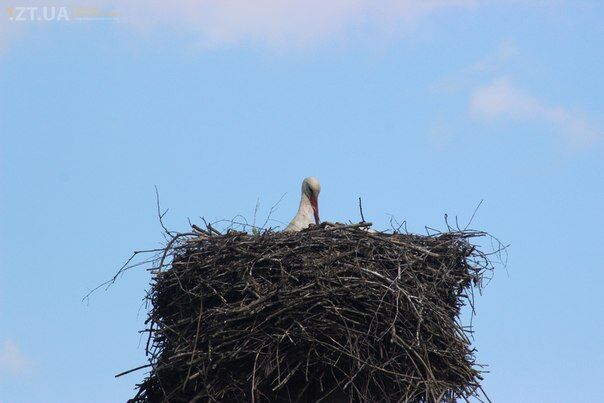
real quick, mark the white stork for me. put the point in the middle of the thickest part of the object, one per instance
(309, 206)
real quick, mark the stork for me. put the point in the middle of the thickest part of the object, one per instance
(309, 206)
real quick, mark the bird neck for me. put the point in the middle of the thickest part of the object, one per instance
(305, 210)
(304, 216)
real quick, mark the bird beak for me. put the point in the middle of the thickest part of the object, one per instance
(314, 202)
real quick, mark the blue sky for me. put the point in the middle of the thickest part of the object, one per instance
(420, 108)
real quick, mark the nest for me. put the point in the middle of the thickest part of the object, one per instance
(333, 313)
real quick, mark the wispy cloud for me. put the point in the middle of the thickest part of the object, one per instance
(274, 23)
(493, 63)
(500, 99)
(13, 362)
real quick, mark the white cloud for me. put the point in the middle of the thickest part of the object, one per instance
(502, 100)
(13, 362)
(275, 23)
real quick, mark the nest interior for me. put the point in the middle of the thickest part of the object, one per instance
(332, 313)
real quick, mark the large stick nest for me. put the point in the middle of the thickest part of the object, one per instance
(333, 312)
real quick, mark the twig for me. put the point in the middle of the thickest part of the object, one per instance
(133, 369)
(361, 210)
(160, 214)
(473, 214)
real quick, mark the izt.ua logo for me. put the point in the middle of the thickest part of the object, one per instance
(21, 14)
